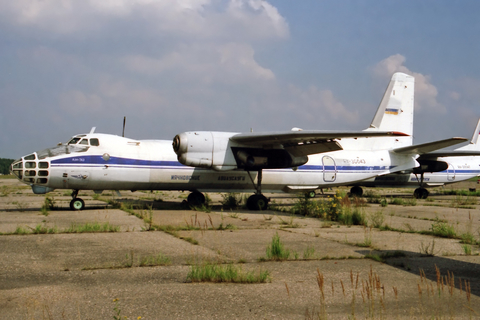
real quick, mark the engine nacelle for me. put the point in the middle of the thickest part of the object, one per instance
(430, 166)
(214, 150)
(205, 149)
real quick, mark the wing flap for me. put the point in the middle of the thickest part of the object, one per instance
(285, 137)
(305, 142)
(300, 150)
(429, 146)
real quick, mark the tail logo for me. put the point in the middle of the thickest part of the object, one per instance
(391, 111)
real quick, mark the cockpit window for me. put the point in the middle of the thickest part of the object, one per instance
(94, 142)
(73, 141)
(84, 141)
(30, 157)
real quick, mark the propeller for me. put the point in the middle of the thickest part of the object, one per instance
(123, 132)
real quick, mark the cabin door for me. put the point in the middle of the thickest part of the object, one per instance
(329, 169)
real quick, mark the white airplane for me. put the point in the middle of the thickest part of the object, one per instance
(436, 168)
(292, 161)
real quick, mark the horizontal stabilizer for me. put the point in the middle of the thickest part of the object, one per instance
(429, 146)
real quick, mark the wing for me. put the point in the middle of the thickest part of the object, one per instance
(429, 146)
(302, 143)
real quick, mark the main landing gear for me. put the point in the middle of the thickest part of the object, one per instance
(196, 198)
(356, 191)
(76, 203)
(421, 192)
(257, 201)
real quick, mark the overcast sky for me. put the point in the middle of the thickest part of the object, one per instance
(180, 65)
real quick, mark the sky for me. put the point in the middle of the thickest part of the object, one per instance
(171, 66)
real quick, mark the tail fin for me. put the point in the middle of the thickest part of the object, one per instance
(395, 112)
(474, 143)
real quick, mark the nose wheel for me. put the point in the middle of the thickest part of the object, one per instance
(76, 203)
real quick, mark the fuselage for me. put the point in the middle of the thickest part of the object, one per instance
(108, 162)
(459, 169)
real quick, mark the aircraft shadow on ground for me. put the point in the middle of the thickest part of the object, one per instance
(415, 263)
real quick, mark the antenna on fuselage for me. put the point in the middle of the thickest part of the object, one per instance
(123, 132)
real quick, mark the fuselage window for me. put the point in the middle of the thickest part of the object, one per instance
(73, 141)
(94, 142)
(43, 165)
(43, 173)
(30, 173)
(30, 165)
(84, 141)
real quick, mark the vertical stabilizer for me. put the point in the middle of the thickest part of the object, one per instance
(395, 112)
(474, 143)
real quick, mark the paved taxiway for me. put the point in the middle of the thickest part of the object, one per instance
(73, 276)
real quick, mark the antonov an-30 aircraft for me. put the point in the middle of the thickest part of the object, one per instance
(436, 168)
(292, 161)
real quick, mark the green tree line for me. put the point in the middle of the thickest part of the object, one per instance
(5, 165)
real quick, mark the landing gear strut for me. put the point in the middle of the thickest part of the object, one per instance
(421, 192)
(257, 201)
(76, 203)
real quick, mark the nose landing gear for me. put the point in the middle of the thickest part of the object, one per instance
(76, 203)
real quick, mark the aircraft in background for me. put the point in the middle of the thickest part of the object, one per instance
(292, 161)
(436, 168)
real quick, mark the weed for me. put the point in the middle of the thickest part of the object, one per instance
(5, 191)
(21, 206)
(231, 200)
(276, 250)
(467, 249)
(383, 202)
(428, 249)
(464, 201)
(289, 223)
(158, 260)
(309, 252)
(376, 219)
(189, 239)
(214, 272)
(39, 229)
(21, 231)
(367, 238)
(443, 229)
(148, 221)
(117, 312)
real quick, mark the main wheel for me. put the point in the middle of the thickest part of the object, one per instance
(196, 198)
(356, 191)
(77, 204)
(310, 194)
(421, 193)
(257, 202)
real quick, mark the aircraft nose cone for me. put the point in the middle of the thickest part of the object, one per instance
(16, 168)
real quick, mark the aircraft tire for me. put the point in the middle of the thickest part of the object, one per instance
(77, 204)
(310, 194)
(421, 193)
(196, 198)
(257, 202)
(356, 191)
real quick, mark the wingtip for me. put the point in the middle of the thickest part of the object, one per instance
(398, 133)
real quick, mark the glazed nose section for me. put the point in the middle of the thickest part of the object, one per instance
(17, 169)
(31, 170)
